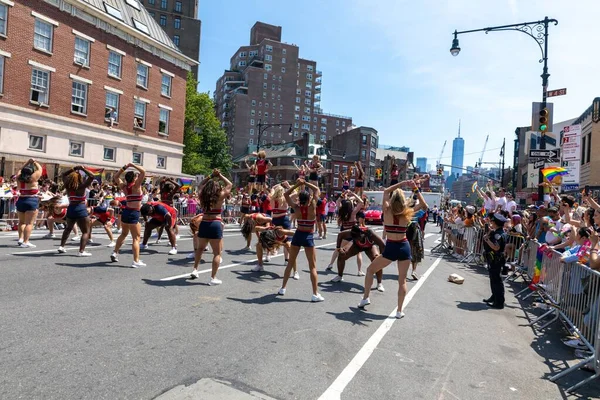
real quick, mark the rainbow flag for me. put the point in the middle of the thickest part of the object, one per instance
(474, 187)
(98, 173)
(186, 184)
(552, 172)
(483, 212)
(538, 267)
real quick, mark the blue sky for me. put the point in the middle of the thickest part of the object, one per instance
(386, 63)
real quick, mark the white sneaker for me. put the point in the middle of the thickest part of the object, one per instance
(247, 248)
(360, 273)
(62, 250)
(575, 343)
(114, 257)
(173, 251)
(177, 237)
(214, 282)
(329, 267)
(296, 276)
(49, 236)
(119, 231)
(364, 302)
(157, 241)
(19, 242)
(111, 244)
(380, 287)
(191, 255)
(258, 268)
(337, 278)
(138, 264)
(27, 245)
(90, 240)
(154, 234)
(84, 254)
(194, 274)
(400, 315)
(281, 292)
(75, 238)
(268, 258)
(143, 246)
(317, 298)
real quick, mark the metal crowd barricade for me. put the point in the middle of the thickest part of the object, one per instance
(549, 286)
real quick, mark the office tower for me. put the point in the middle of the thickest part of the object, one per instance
(458, 153)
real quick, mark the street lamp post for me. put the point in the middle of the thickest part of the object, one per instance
(538, 31)
(263, 127)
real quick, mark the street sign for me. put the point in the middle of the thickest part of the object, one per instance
(555, 153)
(556, 92)
(570, 188)
(539, 164)
(571, 143)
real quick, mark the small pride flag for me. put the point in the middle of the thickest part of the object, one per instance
(552, 172)
(97, 172)
(186, 184)
(474, 187)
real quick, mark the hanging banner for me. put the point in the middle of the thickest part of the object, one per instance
(571, 143)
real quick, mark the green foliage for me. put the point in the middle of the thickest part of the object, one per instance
(205, 142)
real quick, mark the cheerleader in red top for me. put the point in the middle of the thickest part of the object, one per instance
(168, 189)
(249, 224)
(262, 167)
(306, 208)
(270, 238)
(28, 202)
(394, 173)
(104, 218)
(161, 215)
(360, 178)
(314, 168)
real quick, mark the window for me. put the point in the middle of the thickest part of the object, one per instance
(253, 53)
(306, 118)
(283, 60)
(75, 149)
(3, 14)
(265, 85)
(176, 40)
(111, 106)
(280, 116)
(268, 48)
(314, 128)
(266, 105)
(364, 139)
(40, 81)
(163, 4)
(251, 122)
(343, 123)
(296, 125)
(151, 2)
(307, 93)
(163, 20)
(307, 102)
(82, 51)
(177, 23)
(142, 75)
(163, 121)
(363, 154)
(298, 91)
(266, 115)
(284, 51)
(314, 119)
(268, 67)
(139, 115)
(252, 131)
(336, 169)
(134, 4)
(1, 74)
(273, 87)
(309, 77)
(79, 97)
(161, 162)
(114, 12)
(337, 123)
(37, 143)
(265, 76)
(297, 99)
(297, 117)
(324, 129)
(283, 69)
(251, 141)
(42, 36)
(254, 102)
(297, 108)
(309, 68)
(140, 26)
(373, 155)
(242, 54)
(178, 7)
(268, 57)
(109, 153)
(114, 64)
(324, 121)
(137, 158)
(323, 138)
(309, 85)
(336, 181)
(306, 126)
(253, 113)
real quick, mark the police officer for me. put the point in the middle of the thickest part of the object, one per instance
(494, 243)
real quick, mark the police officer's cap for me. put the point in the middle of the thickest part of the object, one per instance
(499, 218)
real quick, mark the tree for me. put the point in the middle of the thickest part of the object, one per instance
(204, 139)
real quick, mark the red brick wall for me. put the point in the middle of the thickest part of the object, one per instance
(17, 74)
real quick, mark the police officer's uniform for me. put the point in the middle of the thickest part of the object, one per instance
(496, 261)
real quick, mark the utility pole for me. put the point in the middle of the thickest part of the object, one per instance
(502, 153)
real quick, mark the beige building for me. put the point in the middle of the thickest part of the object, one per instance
(590, 149)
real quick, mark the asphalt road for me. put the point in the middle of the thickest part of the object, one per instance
(86, 328)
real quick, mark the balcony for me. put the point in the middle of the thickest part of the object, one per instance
(318, 88)
(256, 61)
(319, 73)
(317, 97)
(318, 81)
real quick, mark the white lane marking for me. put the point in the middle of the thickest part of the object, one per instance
(428, 235)
(204, 271)
(334, 392)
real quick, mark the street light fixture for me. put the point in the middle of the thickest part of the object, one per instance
(455, 49)
(263, 127)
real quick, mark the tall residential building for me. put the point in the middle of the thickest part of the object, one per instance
(422, 164)
(267, 82)
(87, 82)
(458, 154)
(179, 19)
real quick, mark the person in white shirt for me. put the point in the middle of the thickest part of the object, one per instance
(511, 205)
(501, 201)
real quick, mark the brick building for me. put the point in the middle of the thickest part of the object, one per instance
(358, 144)
(178, 19)
(65, 64)
(268, 83)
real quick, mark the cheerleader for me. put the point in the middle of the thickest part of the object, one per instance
(28, 202)
(360, 178)
(161, 215)
(270, 238)
(249, 223)
(262, 167)
(314, 168)
(251, 176)
(213, 192)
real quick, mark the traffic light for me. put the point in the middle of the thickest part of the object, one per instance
(544, 120)
(378, 174)
(440, 170)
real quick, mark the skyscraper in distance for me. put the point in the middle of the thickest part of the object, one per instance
(458, 153)
(422, 164)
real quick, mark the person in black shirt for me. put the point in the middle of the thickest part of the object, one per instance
(494, 242)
